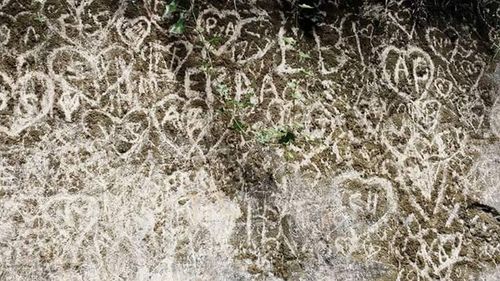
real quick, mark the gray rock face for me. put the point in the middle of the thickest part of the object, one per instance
(225, 141)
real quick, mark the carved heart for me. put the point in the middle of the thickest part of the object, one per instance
(182, 123)
(25, 102)
(367, 32)
(100, 18)
(75, 73)
(134, 31)
(371, 197)
(443, 43)
(125, 133)
(155, 10)
(72, 67)
(70, 218)
(467, 72)
(443, 87)
(219, 28)
(130, 131)
(253, 44)
(168, 121)
(409, 72)
(426, 113)
(169, 59)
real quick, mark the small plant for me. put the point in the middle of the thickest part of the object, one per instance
(303, 56)
(289, 41)
(289, 155)
(265, 136)
(39, 18)
(170, 9)
(179, 27)
(239, 126)
(246, 102)
(206, 66)
(294, 87)
(306, 72)
(239, 104)
(250, 98)
(215, 41)
(223, 90)
(281, 135)
(232, 107)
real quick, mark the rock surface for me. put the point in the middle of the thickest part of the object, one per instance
(364, 146)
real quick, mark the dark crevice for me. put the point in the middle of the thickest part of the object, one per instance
(486, 209)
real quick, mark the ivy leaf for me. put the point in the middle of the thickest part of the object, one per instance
(178, 27)
(170, 9)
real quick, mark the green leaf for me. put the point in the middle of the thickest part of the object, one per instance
(262, 138)
(39, 17)
(178, 27)
(223, 90)
(216, 40)
(238, 126)
(306, 72)
(170, 9)
(292, 84)
(289, 41)
(265, 136)
(303, 56)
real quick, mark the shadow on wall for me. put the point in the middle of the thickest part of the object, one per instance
(481, 14)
